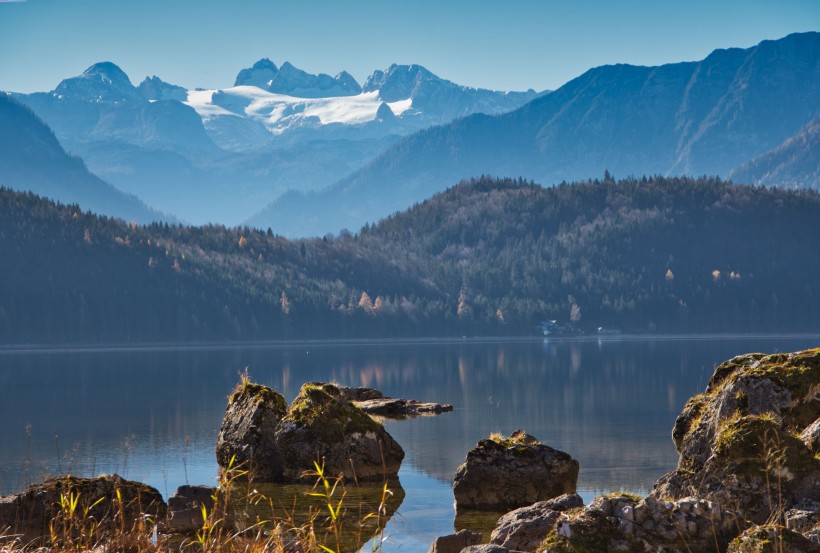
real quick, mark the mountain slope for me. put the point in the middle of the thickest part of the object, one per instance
(702, 117)
(793, 164)
(31, 158)
(218, 155)
(486, 257)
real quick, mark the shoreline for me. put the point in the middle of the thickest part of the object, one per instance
(9, 349)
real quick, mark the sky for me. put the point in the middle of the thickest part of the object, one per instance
(496, 44)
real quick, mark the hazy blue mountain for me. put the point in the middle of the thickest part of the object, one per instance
(704, 117)
(219, 155)
(154, 88)
(32, 159)
(793, 164)
(102, 104)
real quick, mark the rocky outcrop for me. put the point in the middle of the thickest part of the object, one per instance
(454, 543)
(525, 528)
(503, 473)
(620, 522)
(110, 501)
(772, 539)
(747, 442)
(185, 508)
(246, 440)
(322, 426)
(264, 440)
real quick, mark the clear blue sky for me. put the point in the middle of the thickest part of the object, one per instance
(499, 44)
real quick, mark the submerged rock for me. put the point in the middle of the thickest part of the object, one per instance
(390, 407)
(748, 441)
(506, 473)
(360, 394)
(322, 426)
(373, 402)
(185, 508)
(247, 439)
(454, 543)
(525, 528)
(109, 500)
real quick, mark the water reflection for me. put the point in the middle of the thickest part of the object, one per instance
(154, 415)
(364, 510)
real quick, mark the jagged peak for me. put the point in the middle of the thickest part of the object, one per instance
(265, 63)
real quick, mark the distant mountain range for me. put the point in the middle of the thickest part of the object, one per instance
(705, 117)
(219, 155)
(32, 159)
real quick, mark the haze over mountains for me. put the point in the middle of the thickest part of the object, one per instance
(219, 155)
(325, 153)
(695, 118)
(33, 160)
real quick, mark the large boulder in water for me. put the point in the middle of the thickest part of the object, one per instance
(504, 473)
(110, 501)
(740, 441)
(322, 426)
(247, 438)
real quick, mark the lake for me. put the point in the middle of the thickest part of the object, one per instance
(153, 414)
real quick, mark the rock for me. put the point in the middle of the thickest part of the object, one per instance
(811, 436)
(506, 473)
(401, 408)
(621, 522)
(486, 548)
(772, 539)
(30, 512)
(247, 438)
(360, 394)
(454, 543)
(322, 426)
(372, 401)
(738, 440)
(525, 528)
(185, 508)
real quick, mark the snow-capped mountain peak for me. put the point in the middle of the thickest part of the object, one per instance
(292, 81)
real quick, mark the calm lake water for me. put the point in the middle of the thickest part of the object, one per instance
(154, 414)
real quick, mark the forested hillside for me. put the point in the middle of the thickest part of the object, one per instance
(485, 257)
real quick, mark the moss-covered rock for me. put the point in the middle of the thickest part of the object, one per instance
(323, 426)
(740, 441)
(772, 539)
(246, 444)
(503, 473)
(109, 502)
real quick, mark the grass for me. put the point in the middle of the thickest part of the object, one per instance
(232, 525)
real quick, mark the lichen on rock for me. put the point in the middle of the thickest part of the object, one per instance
(503, 473)
(746, 441)
(323, 426)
